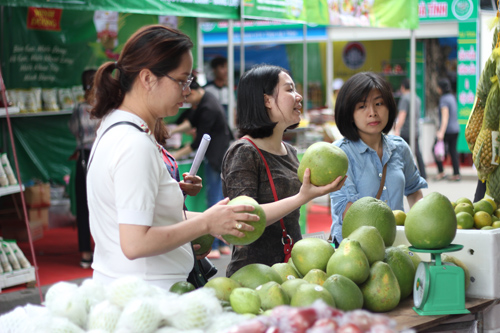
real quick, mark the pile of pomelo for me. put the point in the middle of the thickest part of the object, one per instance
(482, 214)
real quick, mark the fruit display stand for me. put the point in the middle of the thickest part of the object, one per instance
(479, 255)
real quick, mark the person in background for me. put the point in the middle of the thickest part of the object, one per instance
(84, 129)
(218, 87)
(207, 116)
(136, 207)
(365, 113)
(268, 105)
(448, 129)
(402, 127)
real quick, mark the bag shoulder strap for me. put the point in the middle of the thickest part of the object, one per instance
(107, 129)
(382, 182)
(285, 239)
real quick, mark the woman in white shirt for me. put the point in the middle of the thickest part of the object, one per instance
(136, 207)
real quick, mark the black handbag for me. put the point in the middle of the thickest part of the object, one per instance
(202, 271)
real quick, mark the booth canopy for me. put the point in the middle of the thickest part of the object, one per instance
(228, 9)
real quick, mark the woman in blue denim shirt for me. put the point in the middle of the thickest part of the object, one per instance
(365, 112)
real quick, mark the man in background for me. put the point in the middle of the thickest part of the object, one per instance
(402, 127)
(218, 87)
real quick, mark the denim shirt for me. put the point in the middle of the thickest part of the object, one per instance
(365, 172)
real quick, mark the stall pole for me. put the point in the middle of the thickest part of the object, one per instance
(304, 70)
(242, 41)
(413, 75)
(199, 47)
(230, 64)
(329, 68)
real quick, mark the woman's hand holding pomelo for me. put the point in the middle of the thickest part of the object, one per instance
(310, 191)
(223, 219)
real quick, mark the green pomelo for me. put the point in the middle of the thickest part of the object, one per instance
(459, 263)
(350, 261)
(372, 212)
(326, 162)
(309, 253)
(371, 242)
(291, 286)
(223, 287)
(271, 295)
(308, 293)
(316, 276)
(245, 300)
(381, 290)
(415, 258)
(403, 269)
(345, 292)
(181, 287)
(290, 262)
(285, 270)
(431, 223)
(205, 242)
(253, 275)
(259, 226)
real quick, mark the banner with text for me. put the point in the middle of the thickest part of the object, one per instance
(466, 77)
(369, 13)
(447, 10)
(50, 47)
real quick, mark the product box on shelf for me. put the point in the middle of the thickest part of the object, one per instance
(38, 195)
(479, 254)
(39, 214)
(20, 276)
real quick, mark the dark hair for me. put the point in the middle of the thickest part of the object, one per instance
(406, 83)
(154, 47)
(355, 90)
(88, 79)
(194, 84)
(252, 117)
(218, 61)
(445, 85)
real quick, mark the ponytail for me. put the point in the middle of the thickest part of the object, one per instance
(107, 92)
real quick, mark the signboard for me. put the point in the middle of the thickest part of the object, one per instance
(51, 47)
(447, 10)
(466, 77)
(368, 13)
(221, 9)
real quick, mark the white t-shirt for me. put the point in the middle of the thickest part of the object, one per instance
(127, 182)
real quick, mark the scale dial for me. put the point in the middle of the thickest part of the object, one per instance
(421, 284)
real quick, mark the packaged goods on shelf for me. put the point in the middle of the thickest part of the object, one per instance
(5, 261)
(65, 96)
(14, 263)
(8, 170)
(3, 177)
(49, 100)
(78, 94)
(23, 262)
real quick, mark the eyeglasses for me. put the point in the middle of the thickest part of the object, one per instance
(183, 84)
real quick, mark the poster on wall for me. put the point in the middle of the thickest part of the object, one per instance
(44, 57)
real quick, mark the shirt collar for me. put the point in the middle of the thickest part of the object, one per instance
(361, 147)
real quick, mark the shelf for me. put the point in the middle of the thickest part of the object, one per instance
(37, 114)
(20, 276)
(11, 189)
(12, 110)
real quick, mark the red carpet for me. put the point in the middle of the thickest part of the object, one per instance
(319, 218)
(57, 257)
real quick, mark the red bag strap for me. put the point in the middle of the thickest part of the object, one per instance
(285, 238)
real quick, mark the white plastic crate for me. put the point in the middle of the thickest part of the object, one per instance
(481, 256)
(17, 277)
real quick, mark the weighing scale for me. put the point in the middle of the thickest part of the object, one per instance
(439, 288)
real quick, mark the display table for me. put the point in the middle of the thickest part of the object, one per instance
(406, 317)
